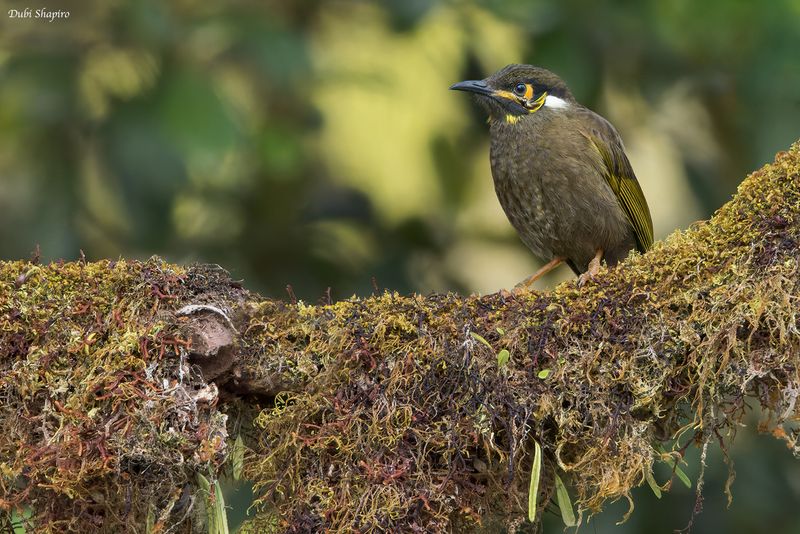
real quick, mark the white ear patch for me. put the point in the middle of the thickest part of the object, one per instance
(553, 102)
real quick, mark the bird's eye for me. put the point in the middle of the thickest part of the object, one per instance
(520, 89)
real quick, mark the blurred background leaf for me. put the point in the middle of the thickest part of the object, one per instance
(315, 144)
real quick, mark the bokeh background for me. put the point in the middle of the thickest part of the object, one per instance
(314, 144)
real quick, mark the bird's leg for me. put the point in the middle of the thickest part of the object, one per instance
(546, 268)
(594, 268)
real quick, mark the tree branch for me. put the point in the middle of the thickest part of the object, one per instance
(122, 380)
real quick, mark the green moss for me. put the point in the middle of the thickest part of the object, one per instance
(98, 417)
(386, 413)
(398, 418)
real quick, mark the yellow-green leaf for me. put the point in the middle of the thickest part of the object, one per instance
(672, 462)
(216, 516)
(683, 476)
(502, 358)
(237, 457)
(150, 520)
(651, 481)
(533, 490)
(544, 373)
(478, 337)
(19, 521)
(205, 485)
(564, 503)
(218, 522)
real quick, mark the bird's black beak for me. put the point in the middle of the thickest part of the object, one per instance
(473, 86)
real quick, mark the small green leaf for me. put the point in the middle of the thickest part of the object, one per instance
(564, 503)
(651, 481)
(220, 516)
(544, 373)
(533, 490)
(502, 358)
(500, 331)
(683, 477)
(478, 337)
(237, 457)
(672, 462)
(20, 520)
(150, 520)
(216, 516)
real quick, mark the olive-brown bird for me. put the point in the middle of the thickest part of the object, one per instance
(560, 172)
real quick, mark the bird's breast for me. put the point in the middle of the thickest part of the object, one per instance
(516, 160)
(552, 190)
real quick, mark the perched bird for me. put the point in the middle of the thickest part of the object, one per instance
(560, 172)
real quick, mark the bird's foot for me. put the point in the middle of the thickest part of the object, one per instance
(594, 268)
(585, 277)
(521, 289)
(525, 285)
(518, 290)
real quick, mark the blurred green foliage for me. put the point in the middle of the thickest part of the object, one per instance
(315, 144)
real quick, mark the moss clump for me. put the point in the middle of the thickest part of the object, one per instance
(394, 413)
(103, 419)
(396, 418)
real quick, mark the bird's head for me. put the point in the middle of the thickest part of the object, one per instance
(518, 90)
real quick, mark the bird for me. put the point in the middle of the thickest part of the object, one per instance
(560, 173)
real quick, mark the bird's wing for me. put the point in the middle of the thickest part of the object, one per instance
(619, 175)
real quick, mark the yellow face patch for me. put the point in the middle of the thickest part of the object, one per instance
(508, 95)
(531, 105)
(528, 91)
(536, 104)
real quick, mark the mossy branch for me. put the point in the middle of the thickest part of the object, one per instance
(121, 381)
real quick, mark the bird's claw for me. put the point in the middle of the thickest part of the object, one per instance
(517, 291)
(585, 277)
(520, 290)
(594, 268)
